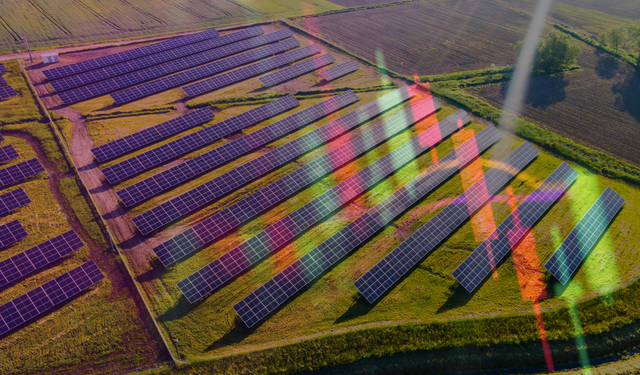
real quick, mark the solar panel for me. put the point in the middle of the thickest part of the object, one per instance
(273, 159)
(100, 74)
(136, 77)
(214, 226)
(12, 200)
(175, 176)
(3, 69)
(193, 141)
(388, 271)
(11, 232)
(480, 263)
(19, 172)
(163, 84)
(339, 70)
(1, 138)
(8, 153)
(297, 70)
(276, 291)
(38, 257)
(583, 238)
(221, 270)
(16, 312)
(247, 72)
(7, 92)
(3, 82)
(115, 58)
(150, 135)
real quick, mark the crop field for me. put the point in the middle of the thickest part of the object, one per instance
(597, 106)
(620, 8)
(50, 23)
(102, 329)
(428, 37)
(360, 3)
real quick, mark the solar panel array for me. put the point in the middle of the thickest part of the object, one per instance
(7, 92)
(131, 54)
(41, 299)
(165, 213)
(583, 238)
(1, 138)
(221, 270)
(12, 200)
(19, 172)
(150, 135)
(100, 74)
(37, 257)
(297, 70)
(388, 271)
(3, 69)
(11, 232)
(8, 153)
(276, 291)
(252, 70)
(477, 266)
(162, 84)
(193, 141)
(3, 82)
(339, 70)
(212, 227)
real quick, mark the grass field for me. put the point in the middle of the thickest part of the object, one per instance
(50, 23)
(597, 106)
(421, 37)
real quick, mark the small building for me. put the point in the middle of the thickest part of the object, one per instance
(50, 57)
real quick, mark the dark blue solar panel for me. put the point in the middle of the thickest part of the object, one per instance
(38, 257)
(12, 200)
(297, 70)
(11, 232)
(247, 72)
(119, 57)
(7, 92)
(193, 141)
(221, 270)
(152, 219)
(3, 82)
(339, 70)
(17, 312)
(3, 69)
(584, 237)
(259, 304)
(162, 84)
(100, 74)
(213, 227)
(150, 135)
(19, 172)
(8, 153)
(484, 259)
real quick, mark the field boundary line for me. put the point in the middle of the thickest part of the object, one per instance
(114, 244)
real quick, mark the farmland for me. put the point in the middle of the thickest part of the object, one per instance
(51, 23)
(620, 8)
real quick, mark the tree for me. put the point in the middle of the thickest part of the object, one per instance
(616, 37)
(554, 54)
(602, 38)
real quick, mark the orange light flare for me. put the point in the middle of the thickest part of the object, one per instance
(530, 276)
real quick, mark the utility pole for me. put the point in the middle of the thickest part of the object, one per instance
(177, 348)
(24, 39)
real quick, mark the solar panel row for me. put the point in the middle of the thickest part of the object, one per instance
(3, 69)
(193, 141)
(1, 138)
(19, 172)
(12, 200)
(297, 70)
(276, 291)
(119, 57)
(212, 227)
(221, 270)
(165, 213)
(11, 232)
(38, 257)
(7, 92)
(403, 258)
(133, 78)
(339, 70)
(100, 74)
(583, 238)
(272, 160)
(22, 309)
(150, 135)
(252, 70)
(3, 82)
(477, 266)
(162, 84)
(8, 153)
